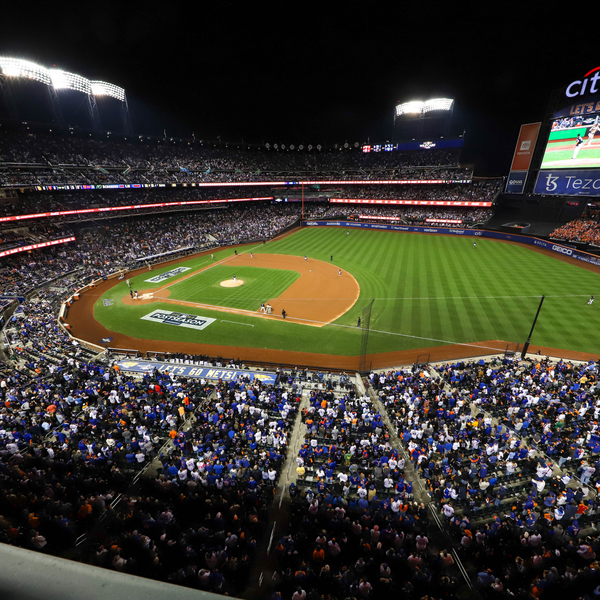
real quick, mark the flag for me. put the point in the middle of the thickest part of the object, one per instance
(127, 171)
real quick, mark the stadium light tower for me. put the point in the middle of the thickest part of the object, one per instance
(102, 88)
(57, 79)
(61, 80)
(6, 92)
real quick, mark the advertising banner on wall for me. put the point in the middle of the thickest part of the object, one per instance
(525, 146)
(573, 182)
(515, 183)
(182, 370)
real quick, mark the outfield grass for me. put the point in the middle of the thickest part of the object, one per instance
(427, 290)
(567, 155)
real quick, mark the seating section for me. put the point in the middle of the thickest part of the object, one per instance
(31, 158)
(508, 459)
(580, 230)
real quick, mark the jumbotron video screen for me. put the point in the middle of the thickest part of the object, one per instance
(573, 142)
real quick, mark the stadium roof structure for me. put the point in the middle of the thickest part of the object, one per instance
(58, 79)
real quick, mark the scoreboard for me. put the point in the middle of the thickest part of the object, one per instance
(567, 161)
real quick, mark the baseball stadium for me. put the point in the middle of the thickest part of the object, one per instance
(295, 371)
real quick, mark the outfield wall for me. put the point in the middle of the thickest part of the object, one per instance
(522, 239)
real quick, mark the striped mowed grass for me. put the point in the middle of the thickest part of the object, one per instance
(427, 290)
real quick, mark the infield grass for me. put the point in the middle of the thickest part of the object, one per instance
(259, 286)
(427, 290)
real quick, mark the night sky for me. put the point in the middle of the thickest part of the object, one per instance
(314, 72)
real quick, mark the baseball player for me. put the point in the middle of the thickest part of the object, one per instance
(339, 272)
(591, 300)
(578, 144)
(592, 132)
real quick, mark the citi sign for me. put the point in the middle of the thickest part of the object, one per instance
(579, 87)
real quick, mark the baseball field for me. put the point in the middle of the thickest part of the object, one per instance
(427, 291)
(559, 154)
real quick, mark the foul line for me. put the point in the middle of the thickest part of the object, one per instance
(300, 321)
(236, 322)
(328, 300)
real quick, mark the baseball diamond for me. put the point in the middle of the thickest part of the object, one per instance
(429, 291)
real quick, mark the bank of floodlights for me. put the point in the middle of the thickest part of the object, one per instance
(418, 108)
(409, 108)
(438, 104)
(61, 80)
(58, 79)
(101, 88)
(15, 67)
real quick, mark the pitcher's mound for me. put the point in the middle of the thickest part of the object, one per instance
(232, 283)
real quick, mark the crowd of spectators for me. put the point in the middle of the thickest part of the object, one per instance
(73, 440)
(200, 520)
(13, 239)
(479, 191)
(580, 230)
(354, 530)
(508, 450)
(316, 205)
(42, 202)
(412, 214)
(106, 247)
(36, 158)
